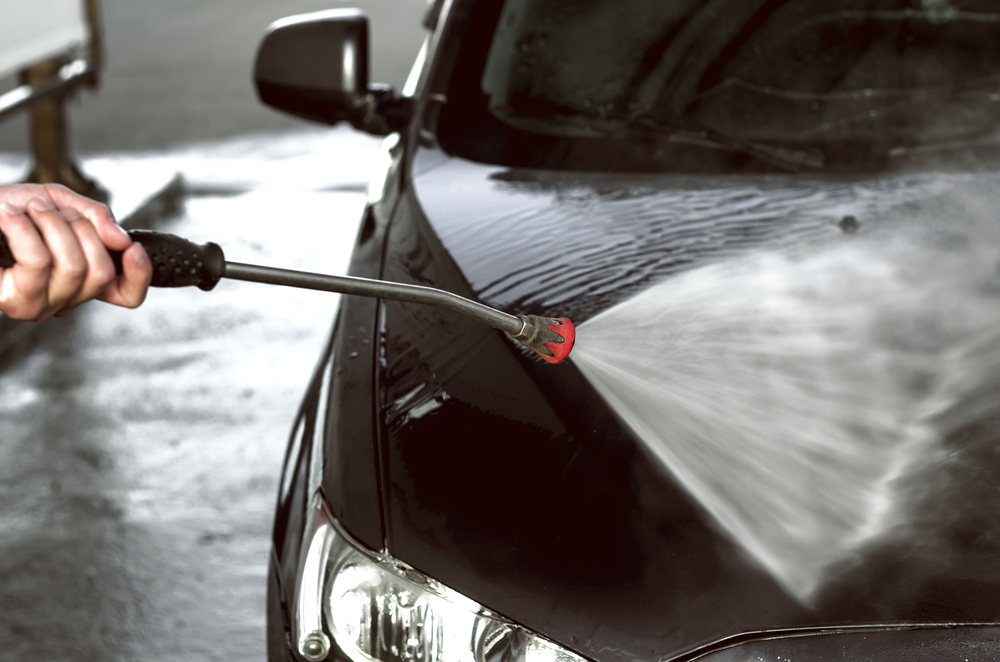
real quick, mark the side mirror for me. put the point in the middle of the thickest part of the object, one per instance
(315, 66)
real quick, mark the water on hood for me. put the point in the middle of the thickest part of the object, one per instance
(794, 392)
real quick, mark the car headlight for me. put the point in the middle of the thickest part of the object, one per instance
(376, 609)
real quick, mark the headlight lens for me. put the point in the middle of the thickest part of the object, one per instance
(377, 609)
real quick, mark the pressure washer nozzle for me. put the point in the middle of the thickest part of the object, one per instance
(551, 338)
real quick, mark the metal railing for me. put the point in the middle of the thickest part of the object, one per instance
(68, 76)
(44, 88)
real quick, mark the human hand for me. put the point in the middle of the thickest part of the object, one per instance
(60, 241)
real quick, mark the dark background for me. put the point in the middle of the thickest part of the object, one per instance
(180, 70)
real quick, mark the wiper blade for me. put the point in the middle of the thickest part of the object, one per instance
(676, 130)
(944, 146)
(787, 158)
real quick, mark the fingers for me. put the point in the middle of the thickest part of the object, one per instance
(98, 214)
(70, 268)
(129, 289)
(62, 261)
(99, 270)
(60, 241)
(51, 265)
(24, 287)
(64, 199)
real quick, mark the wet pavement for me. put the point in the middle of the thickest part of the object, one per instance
(140, 450)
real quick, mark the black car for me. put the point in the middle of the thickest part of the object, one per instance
(448, 496)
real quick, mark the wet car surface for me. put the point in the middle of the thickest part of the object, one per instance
(434, 448)
(436, 471)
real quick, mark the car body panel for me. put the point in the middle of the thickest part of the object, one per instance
(510, 480)
(351, 465)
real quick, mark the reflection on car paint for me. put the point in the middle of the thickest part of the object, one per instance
(541, 442)
(576, 243)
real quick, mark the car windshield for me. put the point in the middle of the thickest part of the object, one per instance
(727, 85)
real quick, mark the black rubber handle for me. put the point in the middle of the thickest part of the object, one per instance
(177, 262)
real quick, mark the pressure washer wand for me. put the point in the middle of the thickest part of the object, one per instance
(178, 262)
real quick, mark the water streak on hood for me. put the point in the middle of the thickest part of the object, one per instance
(575, 243)
(574, 532)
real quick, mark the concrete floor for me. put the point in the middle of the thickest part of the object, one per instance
(140, 450)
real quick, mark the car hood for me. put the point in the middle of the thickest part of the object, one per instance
(515, 483)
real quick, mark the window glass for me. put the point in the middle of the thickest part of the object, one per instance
(727, 85)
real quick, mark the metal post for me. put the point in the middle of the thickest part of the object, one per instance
(48, 125)
(96, 43)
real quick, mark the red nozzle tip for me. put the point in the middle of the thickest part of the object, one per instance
(560, 350)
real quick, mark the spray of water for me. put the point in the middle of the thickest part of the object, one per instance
(792, 394)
